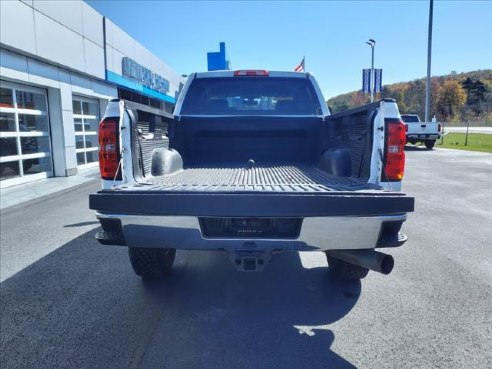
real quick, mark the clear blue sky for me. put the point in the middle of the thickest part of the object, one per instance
(330, 34)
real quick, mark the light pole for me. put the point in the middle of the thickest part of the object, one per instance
(429, 54)
(372, 43)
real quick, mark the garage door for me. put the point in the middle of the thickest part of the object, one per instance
(25, 152)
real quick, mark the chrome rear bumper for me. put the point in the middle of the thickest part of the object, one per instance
(426, 136)
(317, 233)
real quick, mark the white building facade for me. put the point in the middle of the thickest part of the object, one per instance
(60, 64)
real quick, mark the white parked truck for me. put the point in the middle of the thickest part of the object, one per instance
(426, 132)
(252, 164)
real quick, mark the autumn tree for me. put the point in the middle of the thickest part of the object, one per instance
(340, 102)
(410, 96)
(397, 92)
(450, 99)
(415, 97)
(359, 98)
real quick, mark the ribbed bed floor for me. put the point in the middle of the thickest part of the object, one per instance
(265, 179)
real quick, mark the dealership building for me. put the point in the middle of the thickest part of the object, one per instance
(60, 64)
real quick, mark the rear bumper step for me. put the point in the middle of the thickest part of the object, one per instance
(251, 204)
(429, 136)
(316, 233)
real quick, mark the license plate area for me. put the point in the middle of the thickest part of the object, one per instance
(248, 227)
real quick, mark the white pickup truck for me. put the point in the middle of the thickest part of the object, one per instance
(252, 164)
(417, 131)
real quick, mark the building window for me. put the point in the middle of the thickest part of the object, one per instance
(86, 121)
(25, 150)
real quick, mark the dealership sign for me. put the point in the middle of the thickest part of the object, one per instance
(137, 72)
(367, 80)
(378, 80)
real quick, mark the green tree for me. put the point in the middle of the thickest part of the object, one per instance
(450, 98)
(479, 91)
(467, 85)
(475, 97)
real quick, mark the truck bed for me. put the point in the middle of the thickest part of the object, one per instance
(282, 178)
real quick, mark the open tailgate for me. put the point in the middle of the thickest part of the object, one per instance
(258, 204)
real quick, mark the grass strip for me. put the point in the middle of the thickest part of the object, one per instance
(476, 142)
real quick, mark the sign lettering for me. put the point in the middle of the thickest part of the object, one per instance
(145, 76)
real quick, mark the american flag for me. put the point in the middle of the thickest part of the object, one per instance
(300, 67)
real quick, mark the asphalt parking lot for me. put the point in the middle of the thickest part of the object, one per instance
(68, 302)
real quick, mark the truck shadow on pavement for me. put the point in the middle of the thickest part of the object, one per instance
(82, 307)
(416, 148)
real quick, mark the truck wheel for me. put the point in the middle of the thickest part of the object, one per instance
(150, 263)
(343, 270)
(429, 144)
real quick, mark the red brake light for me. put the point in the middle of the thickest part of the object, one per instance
(394, 163)
(247, 73)
(109, 150)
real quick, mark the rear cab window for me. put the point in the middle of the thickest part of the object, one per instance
(410, 118)
(251, 96)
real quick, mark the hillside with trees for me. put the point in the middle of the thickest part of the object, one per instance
(455, 98)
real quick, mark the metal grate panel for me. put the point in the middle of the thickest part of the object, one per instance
(145, 146)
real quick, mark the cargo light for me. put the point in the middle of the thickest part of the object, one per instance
(251, 73)
(394, 158)
(109, 153)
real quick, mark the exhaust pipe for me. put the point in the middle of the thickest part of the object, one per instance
(367, 258)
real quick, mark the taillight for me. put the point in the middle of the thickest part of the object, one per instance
(251, 73)
(439, 127)
(109, 150)
(394, 158)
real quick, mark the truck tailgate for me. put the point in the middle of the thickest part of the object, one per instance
(251, 204)
(422, 128)
(258, 191)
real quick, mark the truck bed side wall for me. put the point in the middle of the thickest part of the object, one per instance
(148, 133)
(354, 133)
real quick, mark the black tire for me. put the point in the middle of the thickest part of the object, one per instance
(343, 270)
(429, 144)
(151, 263)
